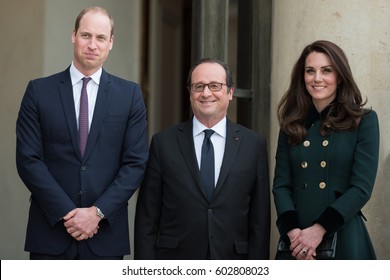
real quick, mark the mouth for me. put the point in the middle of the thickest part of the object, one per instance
(207, 101)
(318, 87)
(90, 55)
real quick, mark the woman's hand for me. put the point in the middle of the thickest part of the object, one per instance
(305, 242)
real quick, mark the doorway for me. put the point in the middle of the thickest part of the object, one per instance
(167, 47)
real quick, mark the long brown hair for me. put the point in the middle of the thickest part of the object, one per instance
(344, 113)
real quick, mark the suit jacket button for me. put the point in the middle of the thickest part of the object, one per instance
(306, 143)
(325, 143)
(304, 164)
(323, 164)
(322, 185)
(83, 168)
(210, 211)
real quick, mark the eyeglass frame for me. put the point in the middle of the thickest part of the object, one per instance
(204, 86)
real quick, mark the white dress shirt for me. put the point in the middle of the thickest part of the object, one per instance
(92, 90)
(218, 138)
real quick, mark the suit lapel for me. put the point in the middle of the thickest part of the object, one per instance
(233, 141)
(186, 145)
(66, 94)
(185, 141)
(102, 102)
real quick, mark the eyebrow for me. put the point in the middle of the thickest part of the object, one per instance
(321, 66)
(97, 35)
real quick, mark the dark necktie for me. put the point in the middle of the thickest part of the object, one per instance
(83, 117)
(207, 168)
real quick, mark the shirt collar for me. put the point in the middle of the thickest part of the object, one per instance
(76, 75)
(219, 128)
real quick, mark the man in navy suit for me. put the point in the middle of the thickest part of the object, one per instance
(79, 198)
(176, 217)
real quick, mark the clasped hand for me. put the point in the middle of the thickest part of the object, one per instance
(304, 242)
(82, 223)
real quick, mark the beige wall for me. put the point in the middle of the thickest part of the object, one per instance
(361, 28)
(37, 42)
(21, 58)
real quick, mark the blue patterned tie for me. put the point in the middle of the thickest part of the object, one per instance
(207, 169)
(83, 117)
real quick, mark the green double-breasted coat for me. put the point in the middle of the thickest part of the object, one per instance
(329, 180)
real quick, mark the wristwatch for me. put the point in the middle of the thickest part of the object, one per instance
(99, 213)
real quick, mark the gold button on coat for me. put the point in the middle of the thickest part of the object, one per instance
(325, 143)
(323, 164)
(322, 185)
(304, 164)
(306, 143)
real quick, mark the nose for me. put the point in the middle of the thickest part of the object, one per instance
(206, 91)
(318, 76)
(92, 43)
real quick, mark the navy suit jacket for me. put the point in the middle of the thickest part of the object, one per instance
(60, 179)
(175, 220)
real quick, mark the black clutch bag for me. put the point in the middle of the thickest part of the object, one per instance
(325, 251)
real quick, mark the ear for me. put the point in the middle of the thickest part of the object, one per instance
(230, 93)
(111, 42)
(73, 36)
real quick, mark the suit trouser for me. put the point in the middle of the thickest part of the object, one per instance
(77, 250)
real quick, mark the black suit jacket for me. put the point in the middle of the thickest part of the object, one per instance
(59, 179)
(174, 219)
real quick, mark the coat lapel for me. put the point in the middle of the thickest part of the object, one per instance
(233, 141)
(66, 95)
(185, 141)
(186, 144)
(102, 102)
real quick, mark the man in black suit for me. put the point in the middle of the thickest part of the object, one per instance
(176, 216)
(79, 195)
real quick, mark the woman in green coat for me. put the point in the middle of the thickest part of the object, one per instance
(327, 157)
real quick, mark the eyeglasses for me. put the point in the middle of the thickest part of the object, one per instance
(199, 87)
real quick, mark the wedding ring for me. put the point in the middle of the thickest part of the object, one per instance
(304, 252)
